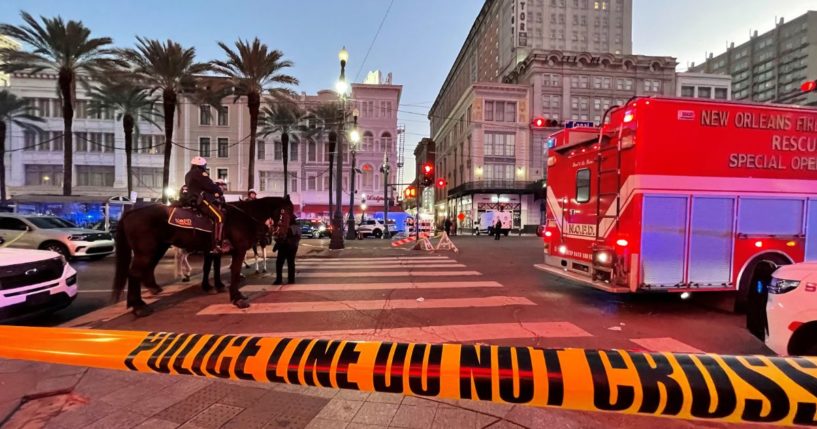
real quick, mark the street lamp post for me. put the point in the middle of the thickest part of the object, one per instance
(354, 139)
(385, 170)
(336, 242)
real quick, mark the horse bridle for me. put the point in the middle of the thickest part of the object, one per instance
(269, 228)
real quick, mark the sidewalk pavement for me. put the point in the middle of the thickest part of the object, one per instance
(65, 397)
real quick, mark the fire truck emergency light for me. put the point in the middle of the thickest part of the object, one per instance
(629, 116)
(809, 86)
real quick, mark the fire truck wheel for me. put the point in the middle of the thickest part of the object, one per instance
(759, 269)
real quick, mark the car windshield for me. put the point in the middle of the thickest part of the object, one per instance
(50, 222)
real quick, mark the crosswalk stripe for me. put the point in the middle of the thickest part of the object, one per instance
(353, 274)
(370, 286)
(665, 344)
(394, 304)
(383, 258)
(359, 266)
(446, 333)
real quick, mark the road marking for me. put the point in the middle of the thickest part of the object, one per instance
(394, 304)
(359, 266)
(392, 274)
(384, 258)
(446, 333)
(665, 344)
(404, 263)
(369, 286)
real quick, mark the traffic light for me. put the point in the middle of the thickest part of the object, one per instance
(441, 183)
(810, 86)
(363, 202)
(428, 174)
(538, 123)
(410, 192)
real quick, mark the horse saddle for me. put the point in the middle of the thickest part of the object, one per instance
(188, 218)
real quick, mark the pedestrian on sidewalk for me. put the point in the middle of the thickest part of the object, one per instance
(447, 225)
(287, 248)
(497, 229)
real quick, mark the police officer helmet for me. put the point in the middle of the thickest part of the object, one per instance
(199, 161)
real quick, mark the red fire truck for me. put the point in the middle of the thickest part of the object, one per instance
(681, 195)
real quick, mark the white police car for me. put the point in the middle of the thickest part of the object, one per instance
(34, 282)
(791, 310)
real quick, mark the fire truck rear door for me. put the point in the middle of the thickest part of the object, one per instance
(663, 239)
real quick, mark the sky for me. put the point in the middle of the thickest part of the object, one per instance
(418, 42)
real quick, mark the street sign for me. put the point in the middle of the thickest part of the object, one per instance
(574, 124)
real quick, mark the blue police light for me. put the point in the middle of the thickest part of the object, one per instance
(551, 143)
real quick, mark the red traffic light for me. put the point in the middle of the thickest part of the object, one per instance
(539, 123)
(441, 183)
(809, 86)
(427, 169)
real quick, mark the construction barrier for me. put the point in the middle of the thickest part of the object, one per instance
(409, 239)
(703, 386)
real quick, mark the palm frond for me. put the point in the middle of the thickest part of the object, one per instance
(19, 111)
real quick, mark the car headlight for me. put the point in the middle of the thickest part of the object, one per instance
(62, 260)
(321, 228)
(779, 286)
(78, 237)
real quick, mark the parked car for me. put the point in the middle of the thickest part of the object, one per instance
(54, 234)
(34, 282)
(313, 228)
(791, 310)
(370, 227)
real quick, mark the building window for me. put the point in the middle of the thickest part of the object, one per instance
(368, 142)
(204, 114)
(293, 150)
(147, 177)
(367, 178)
(293, 185)
(44, 143)
(583, 185)
(606, 82)
(500, 111)
(221, 174)
(687, 91)
(223, 116)
(262, 149)
(311, 183)
(311, 151)
(721, 94)
(95, 175)
(385, 140)
(29, 140)
(500, 144)
(204, 147)
(56, 141)
(498, 171)
(223, 148)
(43, 175)
(278, 148)
(704, 92)
(651, 85)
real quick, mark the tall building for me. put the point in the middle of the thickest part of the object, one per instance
(558, 59)
(36, 160)
(770, 67)
(6, 42)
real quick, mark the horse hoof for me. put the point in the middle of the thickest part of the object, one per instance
(241, 303)
(142, 311)
(186, 279)
(264, 271)
(155, 290)
(257, 272)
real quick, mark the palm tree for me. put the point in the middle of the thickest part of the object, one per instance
(132, 103)
(328, 116)
(17, 111)
(64, 48)
(170, 69)
(253, 69)
(284, 115)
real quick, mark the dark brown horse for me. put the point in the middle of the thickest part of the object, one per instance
(144, 235)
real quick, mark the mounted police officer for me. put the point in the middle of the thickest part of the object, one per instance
(210, 197)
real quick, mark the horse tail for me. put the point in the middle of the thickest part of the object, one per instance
(123, 260)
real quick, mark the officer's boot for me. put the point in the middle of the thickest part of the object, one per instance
(221, 245)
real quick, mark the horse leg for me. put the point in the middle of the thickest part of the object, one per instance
(217, 274)
(236, 297)
(135, 275)
(264, 251)
(255, 252)
(149, 277)
(205, 275)
(186, 268)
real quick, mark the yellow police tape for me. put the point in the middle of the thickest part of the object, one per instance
(702, 386)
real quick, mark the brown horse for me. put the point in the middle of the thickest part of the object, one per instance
(144, 235)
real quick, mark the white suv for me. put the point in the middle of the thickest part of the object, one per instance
(371, 227)
(791, 310)
(34, 282)
(54, 234)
